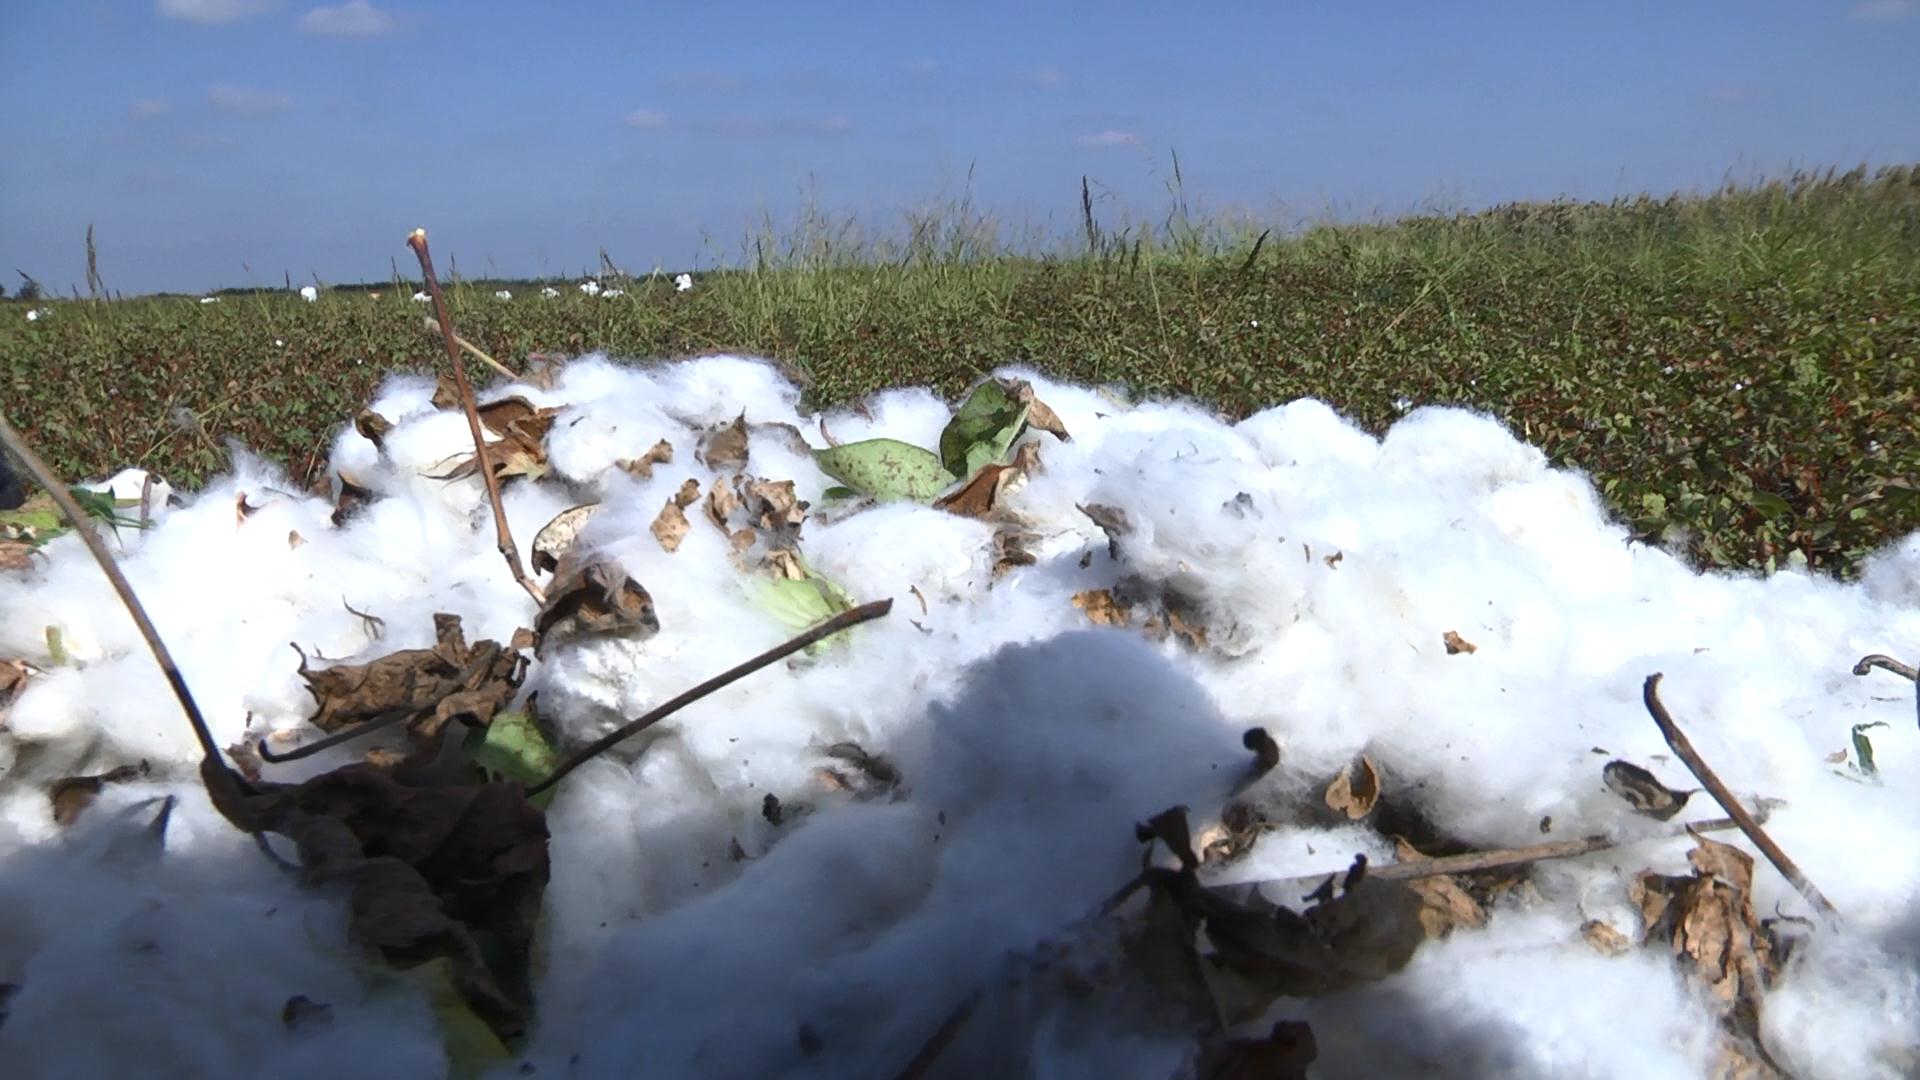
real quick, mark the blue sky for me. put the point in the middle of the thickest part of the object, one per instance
(206, 137)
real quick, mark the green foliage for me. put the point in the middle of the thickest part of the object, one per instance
(887, 469)
(1739, 372)
(982, 429)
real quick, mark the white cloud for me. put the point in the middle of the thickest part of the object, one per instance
(1880, 11)
(355, 18)
(214, 12)
(1109, 138)
(245, 100)
(1047, 76)
(149, 107)
(647, 119)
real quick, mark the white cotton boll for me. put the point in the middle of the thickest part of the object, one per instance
(1455, 446)
(1848, 1006)
(1308, 432)
(309, 293)
(52, 707)
(912, 416)
(889, 550)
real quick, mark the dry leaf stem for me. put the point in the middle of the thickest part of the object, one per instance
(1683, 749)
(434, 326)
(842, 621)
(508, 551)
(1878, 660)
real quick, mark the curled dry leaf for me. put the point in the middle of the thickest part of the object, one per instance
(593, 598)
(520, 448)
(642, 466)
(1282, 1054)
(725, 447)
(557, 537)
(670, 527)
(1357, 789)
(1643, 791)
(979, 497)
(13, 676)
(352, 498)
(1707, 922)
(1101, 607)
(373, 427)
(15, 554)
(447, 872)
(449, 681)
(72, 795)
(1457, 644)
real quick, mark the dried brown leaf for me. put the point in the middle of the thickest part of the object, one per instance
(642, 466)
(373, 427)
(557, 537)
(1457, 644)
(352, 498)
(15, 554)
(71, 795)
(1282, 1054)
(979, 497)
(593, 598)
(452, 872)
(1604, 938)
(1642, 790)
(725, 447)
(1101, 607)
(721, 503)
(670, 527)
(1042, 418)
(451, 680)
(1355, 791)
(1445, 905)
(1010, 550)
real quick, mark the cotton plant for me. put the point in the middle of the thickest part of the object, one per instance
(209, 299)
(682, 282)
(422, 298)
(503, 294)
(549, 292)
(609, 294)
(309, 293)
(590, 287)
(36, 314)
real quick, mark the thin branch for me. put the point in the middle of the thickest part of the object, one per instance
(1499, 858)
(941, 1038)
(1888, 663)
(225, 788)
(331, 741)
(842, 621)
(418, 242)
(83, 525)
(1683, 749)
(434, 326)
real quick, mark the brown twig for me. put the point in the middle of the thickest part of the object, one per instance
(941, 1038)
(418, 242)
(842, 621)
(1499, 858)
(213, 767)
(434, 326)
(347, 735)
(1684, 750)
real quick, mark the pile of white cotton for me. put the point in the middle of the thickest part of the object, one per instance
(690, 930)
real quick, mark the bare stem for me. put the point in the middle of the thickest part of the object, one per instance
(508, 551)
(842, 621)
(1877, 660)
(83, 525)
(1683, 749)
(267, 754)
(434, 326)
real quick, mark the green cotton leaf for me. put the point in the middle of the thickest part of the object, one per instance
(1654, 503)
(471, 1046)
(1771, 506)
(1863, 747)
(512, 746)
(44, 522)
(837, 493)
(982, 429)
(887, 469)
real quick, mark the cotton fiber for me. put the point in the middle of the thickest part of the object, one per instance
(730, 897)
